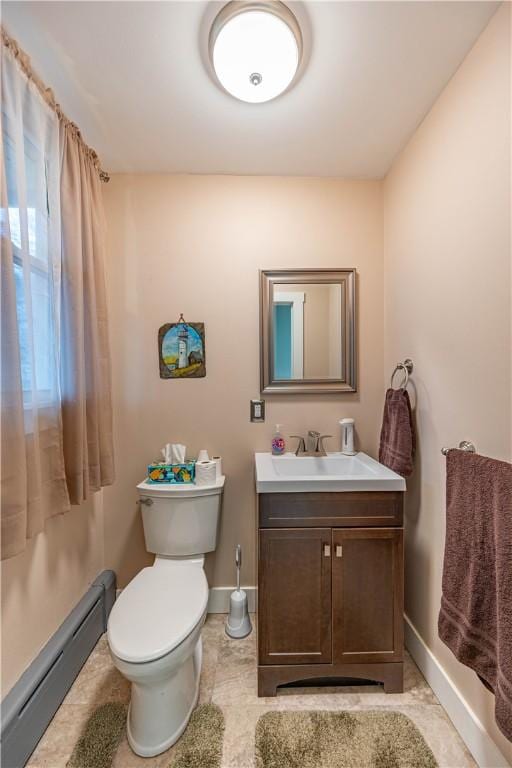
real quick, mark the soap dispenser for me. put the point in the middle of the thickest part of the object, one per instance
(278, 443)
(347, 437)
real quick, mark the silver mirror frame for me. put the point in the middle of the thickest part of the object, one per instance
(347, 279)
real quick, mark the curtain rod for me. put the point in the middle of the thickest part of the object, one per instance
(24, 62)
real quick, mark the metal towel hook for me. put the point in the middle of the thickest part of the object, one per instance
(464, 445)
(406, 367)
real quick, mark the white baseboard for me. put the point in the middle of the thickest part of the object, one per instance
(218, 602)
(471, 730)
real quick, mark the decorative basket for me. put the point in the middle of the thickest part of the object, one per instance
(172, 473)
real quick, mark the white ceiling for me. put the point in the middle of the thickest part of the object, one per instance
(133, 76)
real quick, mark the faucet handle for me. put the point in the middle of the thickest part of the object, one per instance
(321, 448)
(301, 447)
(312, 441)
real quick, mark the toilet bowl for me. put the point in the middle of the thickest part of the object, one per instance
(154, 628)
(154, 634)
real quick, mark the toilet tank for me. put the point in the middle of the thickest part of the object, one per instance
(180, 519)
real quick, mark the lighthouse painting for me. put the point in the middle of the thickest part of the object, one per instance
(181, 350)
(183, 334)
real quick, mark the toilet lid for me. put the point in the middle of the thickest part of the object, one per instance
(156, 612)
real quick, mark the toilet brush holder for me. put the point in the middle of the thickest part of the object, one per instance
(238, 624)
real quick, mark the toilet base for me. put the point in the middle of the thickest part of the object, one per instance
(159, 711)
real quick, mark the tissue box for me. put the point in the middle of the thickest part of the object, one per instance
(172, 473)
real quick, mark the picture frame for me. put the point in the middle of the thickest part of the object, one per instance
(181, 350)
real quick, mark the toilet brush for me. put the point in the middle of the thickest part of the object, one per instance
(238, 624)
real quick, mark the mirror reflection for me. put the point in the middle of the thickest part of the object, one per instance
(307, 331)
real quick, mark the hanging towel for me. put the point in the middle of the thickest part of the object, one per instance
(475, 620)
(397, 439)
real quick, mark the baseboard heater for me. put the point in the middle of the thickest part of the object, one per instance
(29, 707)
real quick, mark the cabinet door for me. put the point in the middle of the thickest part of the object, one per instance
(367, 595)
(294, 596)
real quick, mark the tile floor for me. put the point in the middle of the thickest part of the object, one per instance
(229, 680)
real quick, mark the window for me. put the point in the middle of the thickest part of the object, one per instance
(29, 227)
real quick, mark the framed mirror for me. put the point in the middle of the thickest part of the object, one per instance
(308, 330)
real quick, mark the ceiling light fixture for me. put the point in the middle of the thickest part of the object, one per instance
(255, 49)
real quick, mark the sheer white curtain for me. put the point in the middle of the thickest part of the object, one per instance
(33, 476)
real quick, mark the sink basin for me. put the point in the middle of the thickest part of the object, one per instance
(334, 472)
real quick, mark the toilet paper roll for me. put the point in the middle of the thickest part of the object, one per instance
(218, 465)
(206, 472)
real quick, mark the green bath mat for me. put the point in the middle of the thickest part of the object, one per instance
(199, 747)
(201, 744)
(340, 740)
(101, 736)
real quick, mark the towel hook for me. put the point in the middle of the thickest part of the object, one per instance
(407, 367)
(464, 445)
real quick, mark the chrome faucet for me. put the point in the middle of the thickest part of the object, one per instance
(312, 441)
(312, 446)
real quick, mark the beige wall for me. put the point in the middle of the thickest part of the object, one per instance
(44, 583)
(447, 306)
(194, 244)
(316, 332)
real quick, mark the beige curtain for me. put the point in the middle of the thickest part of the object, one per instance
(85, 356)
(56, 419)
(32, 475)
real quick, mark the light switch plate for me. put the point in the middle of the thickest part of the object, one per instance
(257, 410)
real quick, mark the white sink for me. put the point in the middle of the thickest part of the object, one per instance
(334, 472)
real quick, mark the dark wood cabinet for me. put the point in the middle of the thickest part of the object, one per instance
(295, 577)
(367, 595)
(330, 599)
(362, 509)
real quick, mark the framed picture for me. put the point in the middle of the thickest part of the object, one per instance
(181, 350)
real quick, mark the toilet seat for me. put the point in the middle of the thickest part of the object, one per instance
(158, 609)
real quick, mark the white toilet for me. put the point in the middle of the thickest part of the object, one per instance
(154, 628)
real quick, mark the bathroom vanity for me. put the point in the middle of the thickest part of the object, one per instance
(330, 570)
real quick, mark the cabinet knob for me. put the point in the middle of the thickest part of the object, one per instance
(339, 550)
(327, 550)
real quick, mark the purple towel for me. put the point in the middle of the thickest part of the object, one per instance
(475, 620)
(397, 439)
